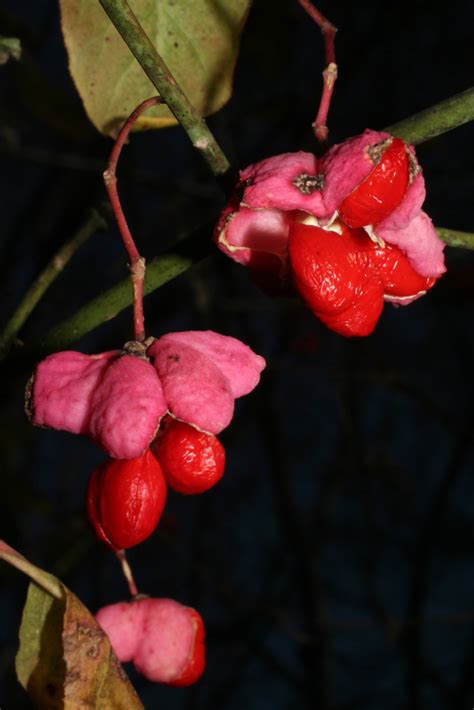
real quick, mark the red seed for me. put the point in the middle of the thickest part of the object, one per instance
(125, 500)
(333, 275)
(344, 278)
(398, 276)
(376, 197)
(193, 461)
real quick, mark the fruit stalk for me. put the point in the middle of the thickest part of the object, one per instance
(137, 262)
(127, 572)
(328, 32)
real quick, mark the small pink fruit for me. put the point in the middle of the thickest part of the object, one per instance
(163, 639)
(119, 399)
(125, 500)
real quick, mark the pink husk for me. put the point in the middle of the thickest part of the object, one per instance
(123, 624)
(126, 408)
(345, 165)
(157, 635)
(63, 386)
(195, 389)
(167, 640)
(248, 231)
(236, 361)
(419, 241)
(271, 184)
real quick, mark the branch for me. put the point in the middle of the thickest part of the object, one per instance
(438, 119)
(433, 121)
(110, 303)
(162, 269)
(454, 238)
(136, 39)
(46, 278)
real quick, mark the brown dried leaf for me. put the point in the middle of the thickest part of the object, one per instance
(65, 660)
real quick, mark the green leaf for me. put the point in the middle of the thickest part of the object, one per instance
(65, 660)
(40, 666)
(10, 48)
(198, 40)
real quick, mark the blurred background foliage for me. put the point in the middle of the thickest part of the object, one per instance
(333, 564)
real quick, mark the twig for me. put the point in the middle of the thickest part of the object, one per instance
(137, 262)
(38, 288)
(438, 119)
(454, 238)
(161, 270)
(127, 572)
(328, 32)
(161, 77)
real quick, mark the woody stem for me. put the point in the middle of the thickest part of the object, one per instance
(127, 572)
(136, 261)
(328, 32)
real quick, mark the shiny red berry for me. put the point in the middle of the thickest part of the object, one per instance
(125, 500)
(345, 278)
(333, 275)
(376, 197)
(399, 278)
(192, 461)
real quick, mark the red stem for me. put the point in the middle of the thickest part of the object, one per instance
(127, 572)
(137, 262)
(330, 72)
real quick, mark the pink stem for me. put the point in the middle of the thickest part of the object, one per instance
(127, 572)
(137, 262)
(330, 72)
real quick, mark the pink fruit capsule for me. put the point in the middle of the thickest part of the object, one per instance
(164, 639)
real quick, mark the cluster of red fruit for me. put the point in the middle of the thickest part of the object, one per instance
(155, 407)
(126, 497)
(347, 231)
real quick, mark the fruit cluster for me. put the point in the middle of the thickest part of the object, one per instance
(163, 639)
(347, 230)
(155, 408)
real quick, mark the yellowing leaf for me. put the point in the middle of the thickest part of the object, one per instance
(40, 666)
(65, 660)
(198, 40)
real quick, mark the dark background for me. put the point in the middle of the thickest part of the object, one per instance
(333, 564)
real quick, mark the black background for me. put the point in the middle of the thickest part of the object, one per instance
(333, 564)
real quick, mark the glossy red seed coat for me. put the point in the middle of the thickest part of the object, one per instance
(399, 278)
(197, 661)
(330, 271)
(376, 197)
(193, 461)
(343, 278)
(125, 500)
